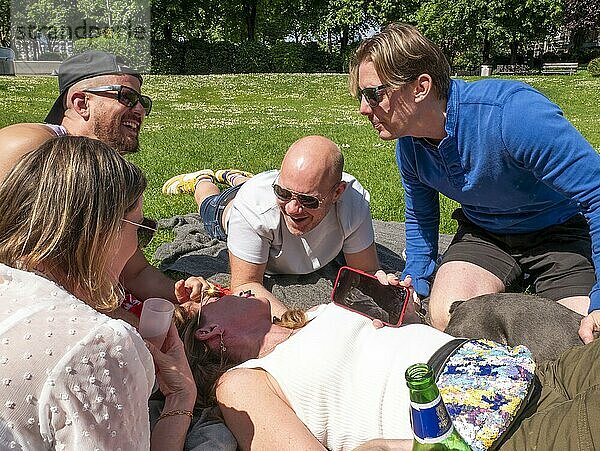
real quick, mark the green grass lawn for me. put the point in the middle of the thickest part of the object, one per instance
(248, 121)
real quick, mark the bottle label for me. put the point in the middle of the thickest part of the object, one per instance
(430, 422)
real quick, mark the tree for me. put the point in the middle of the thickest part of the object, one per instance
(185, 19)
(517, 22)
(4, 23)
(460, 27)
(38, 25)
(349, 18)
(472, 31)
(582, 18)
(388, 11)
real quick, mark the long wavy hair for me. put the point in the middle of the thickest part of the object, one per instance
(400, 54)
(207, 365)
(60, 206)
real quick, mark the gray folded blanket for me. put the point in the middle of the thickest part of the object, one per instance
(194, 252)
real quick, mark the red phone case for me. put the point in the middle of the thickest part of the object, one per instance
(362, 274)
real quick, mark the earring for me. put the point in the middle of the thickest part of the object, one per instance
(222, 344)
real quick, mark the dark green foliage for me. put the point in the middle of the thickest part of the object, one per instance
(318, 60)
(253, 57)
(288, 57)
(196, 56)
(135, 52)
(200, 57)
(168, 57)
(594, 67)
(223, 58)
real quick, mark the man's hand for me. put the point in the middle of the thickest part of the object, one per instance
(191, 289)
(194, 292)
(589, 327)
(410, 315)
(392, 279)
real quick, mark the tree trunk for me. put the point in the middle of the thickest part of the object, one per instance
(580, 37)
(167, 32)
(344, 40)
(486, 48)
(250, 16)
(514, 51)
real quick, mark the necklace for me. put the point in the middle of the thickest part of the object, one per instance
(266, 351)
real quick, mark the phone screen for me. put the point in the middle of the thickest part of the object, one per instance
(364, 294)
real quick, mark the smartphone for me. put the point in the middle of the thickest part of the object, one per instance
(362, 293)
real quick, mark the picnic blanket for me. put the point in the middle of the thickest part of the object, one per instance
(193, 252)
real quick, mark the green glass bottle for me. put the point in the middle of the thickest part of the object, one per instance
(431, 424)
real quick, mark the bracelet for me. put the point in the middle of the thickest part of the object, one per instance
(171, 413)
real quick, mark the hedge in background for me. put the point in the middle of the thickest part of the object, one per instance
(197, 57)
(594, 67)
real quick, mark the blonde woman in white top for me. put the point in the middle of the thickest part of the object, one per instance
(71, 376)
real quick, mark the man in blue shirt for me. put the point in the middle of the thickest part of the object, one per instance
(528, 183)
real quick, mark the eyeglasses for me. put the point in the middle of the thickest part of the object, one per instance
(145, 231)
(125, 96)
(306, 200)
(371, 95)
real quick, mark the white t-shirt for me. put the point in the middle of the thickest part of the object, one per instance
(71, 378)
(256, 230)
(345, 379)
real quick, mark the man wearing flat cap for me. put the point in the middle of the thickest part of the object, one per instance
(99, 98)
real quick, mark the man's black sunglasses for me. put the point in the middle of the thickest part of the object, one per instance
(371, 95)
(306, 200)
(125, 96)
(145, 231)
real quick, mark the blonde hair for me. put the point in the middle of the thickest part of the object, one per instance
(400, 54)
(207, 366)
(60, 206)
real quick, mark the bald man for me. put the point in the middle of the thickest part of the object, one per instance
(291, 221)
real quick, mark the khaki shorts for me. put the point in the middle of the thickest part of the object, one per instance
(555, 262)
(565, 414)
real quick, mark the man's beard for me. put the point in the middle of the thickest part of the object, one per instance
(109, 133)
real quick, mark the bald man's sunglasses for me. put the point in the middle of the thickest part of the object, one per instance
(306, 200)
(372, 95)
(125, 96)
(145, 231)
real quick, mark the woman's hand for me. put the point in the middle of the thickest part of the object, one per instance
(174, 374)
(177, 384)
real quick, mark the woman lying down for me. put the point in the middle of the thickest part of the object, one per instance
(330, 379)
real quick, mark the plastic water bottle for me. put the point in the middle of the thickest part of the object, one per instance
(432, 426)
